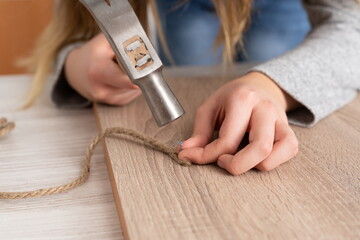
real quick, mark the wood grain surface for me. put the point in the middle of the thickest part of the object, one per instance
(314, 196)
(46, 149)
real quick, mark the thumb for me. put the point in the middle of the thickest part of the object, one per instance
(199, 140)
(194, 141)
(203, 129)
(193, 148)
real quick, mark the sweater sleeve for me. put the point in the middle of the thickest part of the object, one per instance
(323, 73)
(63, 95)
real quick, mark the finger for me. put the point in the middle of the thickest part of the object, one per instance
(285, 148)
(237, 116)
(111, 95)
(103, 45)
(261, 140)
(203, 126)
(115, 77)
(111, 73)
(122, 97)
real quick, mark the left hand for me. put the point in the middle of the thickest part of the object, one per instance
(92, 72)
(254, 104)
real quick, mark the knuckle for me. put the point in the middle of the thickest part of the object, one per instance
(99, 94)
(268, 105)
(291, 142)
(264, 148)
(246, 94)
(293, 145)
(228, 147)
(97, 48)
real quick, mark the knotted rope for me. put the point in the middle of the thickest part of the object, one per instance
(6, 127)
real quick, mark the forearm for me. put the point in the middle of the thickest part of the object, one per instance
(322, 73)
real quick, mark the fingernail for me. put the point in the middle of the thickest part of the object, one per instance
(220, 164)
(180, 143)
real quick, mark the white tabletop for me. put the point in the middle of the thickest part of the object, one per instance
(46, 150)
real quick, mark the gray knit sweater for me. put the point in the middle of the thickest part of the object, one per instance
(322, 73)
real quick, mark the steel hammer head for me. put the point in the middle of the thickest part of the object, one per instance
(137, 56)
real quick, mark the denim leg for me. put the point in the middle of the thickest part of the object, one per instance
(190, 31)
(277, 26)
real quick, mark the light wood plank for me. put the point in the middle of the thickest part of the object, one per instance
(46, 149)
(314, 196)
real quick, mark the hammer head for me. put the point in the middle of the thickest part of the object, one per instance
(136, 54)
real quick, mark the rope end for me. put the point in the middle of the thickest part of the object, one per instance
(5, 127)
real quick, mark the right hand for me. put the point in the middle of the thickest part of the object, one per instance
(92, 72)
(253, 103)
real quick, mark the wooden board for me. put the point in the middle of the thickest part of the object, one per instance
(314, 196)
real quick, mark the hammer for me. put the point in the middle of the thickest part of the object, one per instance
(137, 56)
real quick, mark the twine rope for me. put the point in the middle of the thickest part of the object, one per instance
(6, 127)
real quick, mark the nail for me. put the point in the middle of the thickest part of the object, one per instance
(180, 143)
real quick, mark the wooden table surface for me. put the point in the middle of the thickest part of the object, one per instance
(316, 195)
(45, 150)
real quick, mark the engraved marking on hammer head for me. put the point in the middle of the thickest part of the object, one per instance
(132, 46)
(142, 61)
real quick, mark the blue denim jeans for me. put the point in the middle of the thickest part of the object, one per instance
(191, 28)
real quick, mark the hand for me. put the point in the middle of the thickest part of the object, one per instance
(92, 72)
(254, 104)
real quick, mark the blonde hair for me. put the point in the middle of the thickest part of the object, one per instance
(72, 23)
